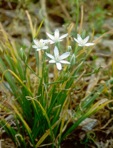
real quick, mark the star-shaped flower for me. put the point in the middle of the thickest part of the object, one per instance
(83, 42)
(58, 59)
(56, 37)
(40, 44)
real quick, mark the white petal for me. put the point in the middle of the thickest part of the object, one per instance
(56, 52)
(59, 40)
(50, 56)
(46, 41)
(63, 36)
(45, 47)
(34, 46)
(89, 44)
(59, 66)
(64, 55)
(38, 49)
(64, 62)
(41, 40)
(79, 37)
(50, 36)
(86, 39)
(81, 45)
(51, 41)
(76, 40)
(36, 42)
(52, 61)
(56, 34)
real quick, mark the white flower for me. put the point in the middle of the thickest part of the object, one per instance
(58, 59)
(83, 42)
(56, 37)
(40, 44)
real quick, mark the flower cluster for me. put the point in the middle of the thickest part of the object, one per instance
(54, 39)
(40, 44)
(83, 42)
(58, 59)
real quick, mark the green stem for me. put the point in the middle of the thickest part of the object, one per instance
(40, 64)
